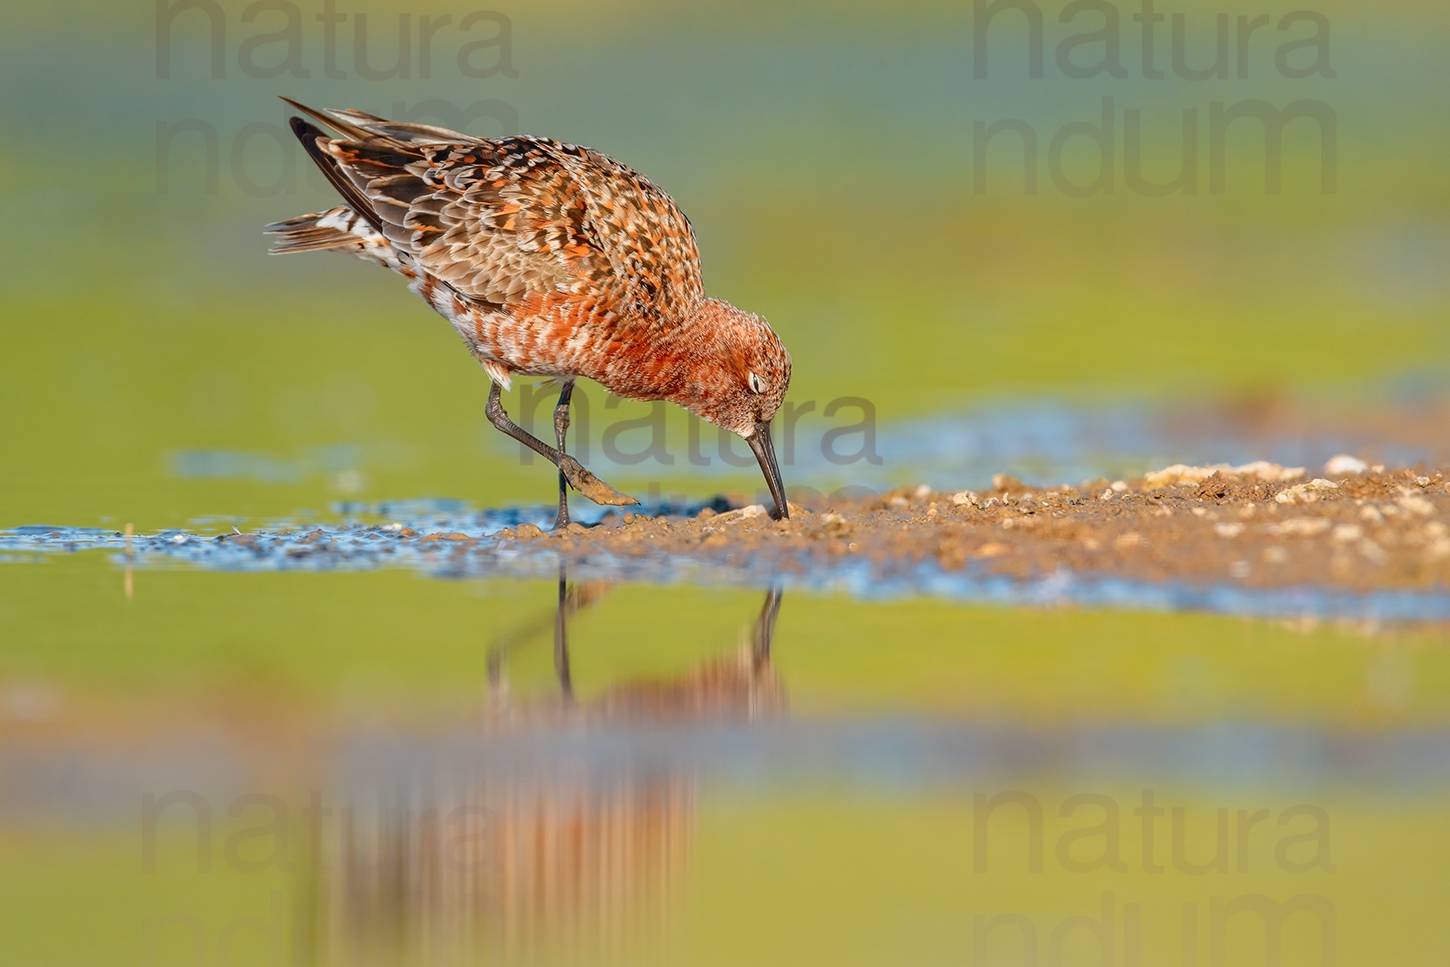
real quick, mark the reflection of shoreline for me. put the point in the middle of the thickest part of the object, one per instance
(533, 861)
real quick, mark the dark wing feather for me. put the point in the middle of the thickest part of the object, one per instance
(312, 141)
(505, 220)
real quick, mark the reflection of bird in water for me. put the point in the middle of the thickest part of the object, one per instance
(549, 260)
(739, 685)
(535, 855)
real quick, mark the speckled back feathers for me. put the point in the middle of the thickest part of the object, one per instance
(548, 258)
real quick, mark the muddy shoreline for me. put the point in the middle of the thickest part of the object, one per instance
(1258, 540)
(1264, 526)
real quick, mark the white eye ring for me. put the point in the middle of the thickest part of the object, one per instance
(757, 385)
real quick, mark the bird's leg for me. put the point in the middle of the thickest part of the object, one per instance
(579, 478)
(561, 430)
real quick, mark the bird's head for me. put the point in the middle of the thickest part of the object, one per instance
(739, 371)
(737, 380)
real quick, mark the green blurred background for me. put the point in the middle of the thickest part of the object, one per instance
(826, 157)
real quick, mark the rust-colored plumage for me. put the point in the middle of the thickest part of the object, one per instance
(549, 259)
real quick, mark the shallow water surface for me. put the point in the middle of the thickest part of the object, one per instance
(371, 766)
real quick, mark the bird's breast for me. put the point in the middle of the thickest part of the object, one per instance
(555, 334)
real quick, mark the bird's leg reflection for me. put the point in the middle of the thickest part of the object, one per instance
(561, 638)
(741, 684)
(544, 850)
(571, 600)
(765, 628)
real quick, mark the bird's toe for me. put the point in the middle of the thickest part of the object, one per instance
(591, 486)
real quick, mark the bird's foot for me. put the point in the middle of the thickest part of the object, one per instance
(591, 486)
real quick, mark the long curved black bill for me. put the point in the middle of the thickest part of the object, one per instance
(765, 453)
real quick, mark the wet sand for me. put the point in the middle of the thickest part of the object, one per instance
(1262, 526)
(1259, 540)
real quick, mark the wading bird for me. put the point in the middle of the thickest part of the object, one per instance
(549, 259)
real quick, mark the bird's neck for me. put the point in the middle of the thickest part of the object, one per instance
(657, 362)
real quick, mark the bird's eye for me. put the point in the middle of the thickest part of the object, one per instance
(757, 385)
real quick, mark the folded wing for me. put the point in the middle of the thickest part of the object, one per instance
(513, 220)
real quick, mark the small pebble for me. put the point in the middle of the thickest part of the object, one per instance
(1306, 493)
(1301, 527)
(1347, 533)
(1417, 505)
(1344, 464)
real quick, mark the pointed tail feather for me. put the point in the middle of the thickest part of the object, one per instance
(330, 120)
(339, 229)
(308, 233)
(312, 138)
(366, 163)
(360, 126)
